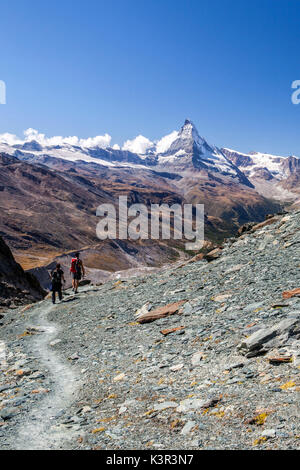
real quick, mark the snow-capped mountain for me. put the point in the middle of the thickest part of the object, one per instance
(182, 152)
(256, 164)
(179, 152)
(272, 175)
(109, 157)
(189, 151)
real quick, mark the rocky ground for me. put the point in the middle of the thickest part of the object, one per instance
(86, 374)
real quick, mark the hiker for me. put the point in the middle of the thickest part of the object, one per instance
(77, 270)
(57, 276)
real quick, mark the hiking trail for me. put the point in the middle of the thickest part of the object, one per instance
(39, 430)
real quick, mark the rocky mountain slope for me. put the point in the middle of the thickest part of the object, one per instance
(16, 286)
(47, 211)
(218, 370)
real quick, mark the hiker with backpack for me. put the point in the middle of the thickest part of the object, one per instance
(76, 270)
(57, 277)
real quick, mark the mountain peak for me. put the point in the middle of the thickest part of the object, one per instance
(190, 132)
(188, 124)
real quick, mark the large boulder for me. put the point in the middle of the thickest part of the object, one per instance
(265, 339)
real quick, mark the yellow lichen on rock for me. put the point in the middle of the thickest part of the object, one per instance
(259, 441)
(261, 418)
(95, 431)
(288, 385)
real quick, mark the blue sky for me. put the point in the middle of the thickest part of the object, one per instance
(129, 67)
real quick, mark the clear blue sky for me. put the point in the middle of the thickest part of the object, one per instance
(129, 67)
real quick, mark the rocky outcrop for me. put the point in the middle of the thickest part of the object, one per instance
(266, 339)
(16, 286)
(252, 226)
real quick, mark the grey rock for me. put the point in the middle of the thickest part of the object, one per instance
(15, 401)
(165, 405)
(8, 413)
(286, 325)
(235, 365)
(188, 428)
(269, 433)
(7, 387)
(193, 404)
(196, 443)
(255, 341)
(253, 306)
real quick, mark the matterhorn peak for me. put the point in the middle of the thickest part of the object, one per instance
(189, 151)
(188, 124)
(190, 132)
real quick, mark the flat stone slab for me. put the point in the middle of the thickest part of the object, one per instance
(165, 405)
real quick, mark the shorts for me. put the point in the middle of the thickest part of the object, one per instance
(76, 276)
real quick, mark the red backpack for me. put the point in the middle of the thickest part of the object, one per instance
(74, 265)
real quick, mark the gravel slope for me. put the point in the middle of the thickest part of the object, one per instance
(112, 383)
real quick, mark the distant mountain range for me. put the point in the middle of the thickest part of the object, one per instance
(49, 193)
(272, 176)
(184, 152)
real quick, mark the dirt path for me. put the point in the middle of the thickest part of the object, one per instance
(39, 430)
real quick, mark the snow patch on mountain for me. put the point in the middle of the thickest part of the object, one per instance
(252, 163)
(67, 152)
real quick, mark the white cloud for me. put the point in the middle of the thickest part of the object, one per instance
(138, 145)
(30, 134)
(9, 139)
(164, 144)
(98, 141)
